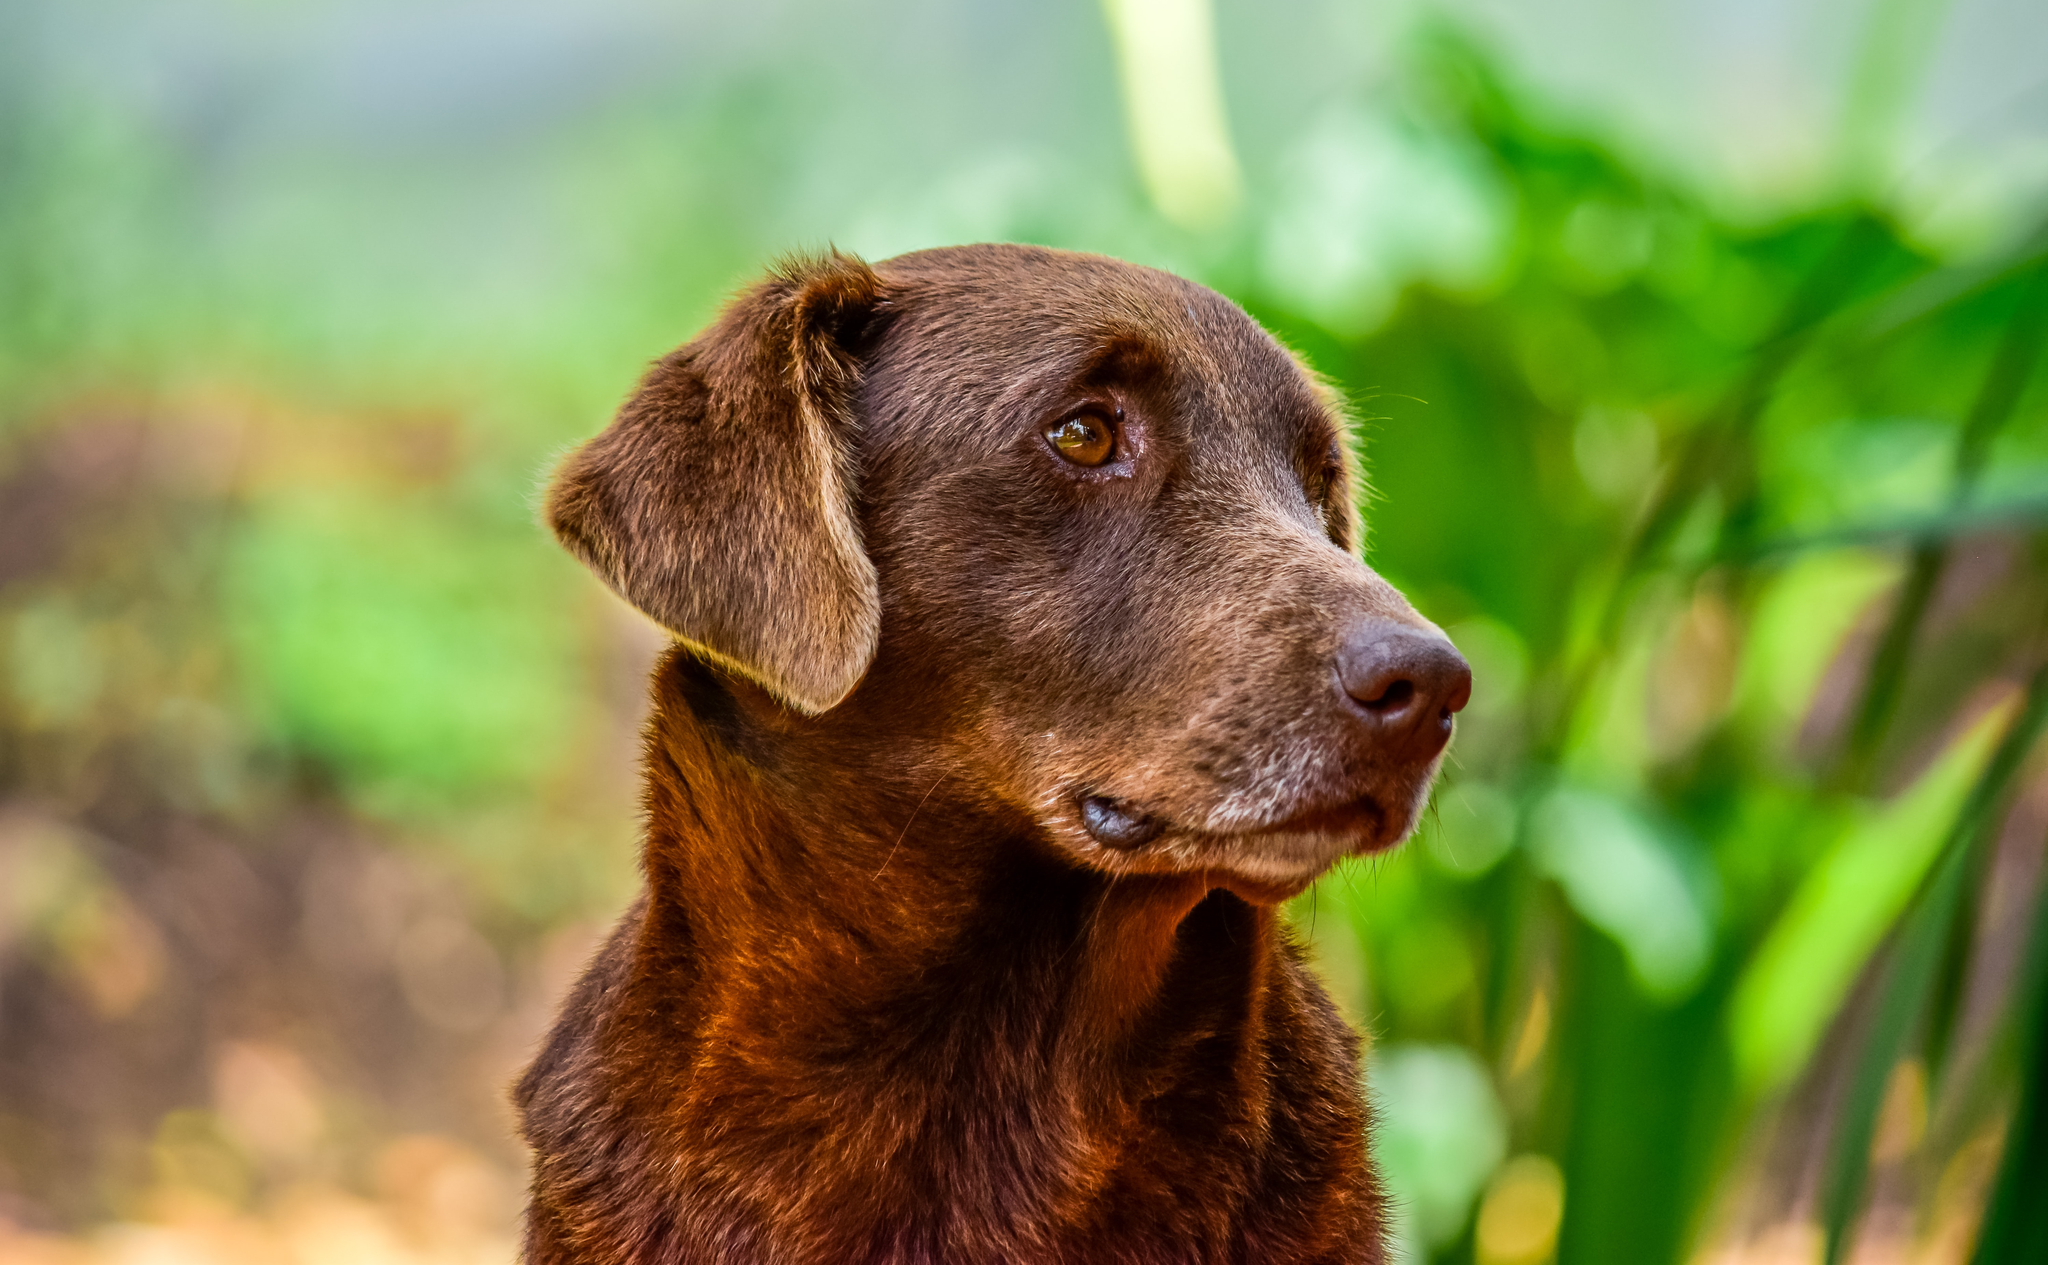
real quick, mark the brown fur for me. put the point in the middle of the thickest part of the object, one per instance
(887, 998)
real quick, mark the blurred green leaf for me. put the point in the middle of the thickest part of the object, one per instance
(1623, 876)
(421, 657)
(1796, 630)
(1843, 907)
(2012, 365)
(1910, 976)
(1442, 1134)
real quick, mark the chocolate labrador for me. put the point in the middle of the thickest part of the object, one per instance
(1024, 663)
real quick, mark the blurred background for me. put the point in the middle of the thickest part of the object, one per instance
(1697, 345)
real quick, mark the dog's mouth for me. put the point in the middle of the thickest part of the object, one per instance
(1362, 818)
(1116, 824)
(1270, 861)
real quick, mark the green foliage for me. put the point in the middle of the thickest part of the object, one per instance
(1695, 485)
(396, 642)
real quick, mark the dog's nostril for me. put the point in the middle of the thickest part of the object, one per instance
(1393, 698)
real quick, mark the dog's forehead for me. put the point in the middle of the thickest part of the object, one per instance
(996, 322)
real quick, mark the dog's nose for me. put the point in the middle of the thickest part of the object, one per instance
(1406, 683)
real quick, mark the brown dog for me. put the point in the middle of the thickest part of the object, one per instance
(1025, 663)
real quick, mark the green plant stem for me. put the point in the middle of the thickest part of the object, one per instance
(1716, 444)
(1910, 971)
(2016, 1221)
(2011, 366)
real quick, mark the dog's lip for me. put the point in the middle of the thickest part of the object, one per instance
(1265, 863)
(1351, 816)
(1115, 824)
(1361, 814)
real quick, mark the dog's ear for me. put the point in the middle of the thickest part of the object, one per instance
(720, 501)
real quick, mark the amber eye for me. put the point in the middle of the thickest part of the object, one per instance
(1086, 439)
(1322, 483)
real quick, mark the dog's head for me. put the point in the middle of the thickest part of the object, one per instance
(1084, 523)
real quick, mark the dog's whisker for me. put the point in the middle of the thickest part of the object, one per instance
(891, 856)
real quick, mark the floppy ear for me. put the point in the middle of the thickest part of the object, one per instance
(720, 501)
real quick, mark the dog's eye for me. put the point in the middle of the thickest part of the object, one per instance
(1086, 439)
(1320, 485)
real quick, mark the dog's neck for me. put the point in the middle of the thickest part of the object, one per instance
(857, 914)
(866, 1014)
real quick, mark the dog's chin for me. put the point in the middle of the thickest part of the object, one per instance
(1264, 863)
